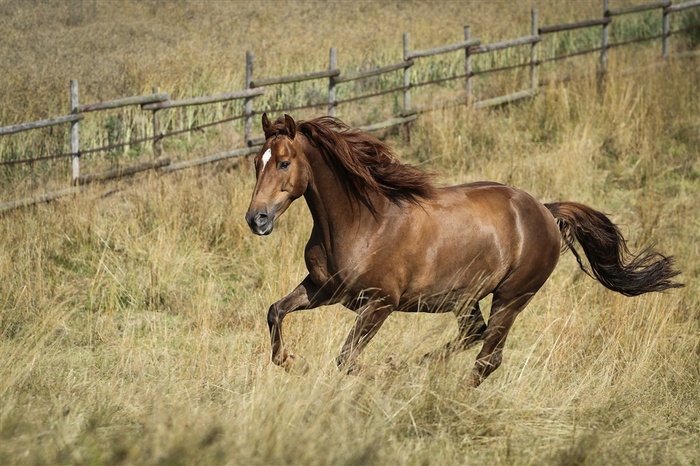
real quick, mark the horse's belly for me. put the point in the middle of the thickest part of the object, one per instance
(438, 303)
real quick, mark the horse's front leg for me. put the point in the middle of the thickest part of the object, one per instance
(307, 295)
(367, 323)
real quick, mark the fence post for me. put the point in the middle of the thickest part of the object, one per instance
(331, 82)
(468, 66)
(666, 32)
(248, 127)
(407, 85)
(533, 52)
(74, 134)
(157, 144)
(406, 75)
(603, 65)
(604, 39)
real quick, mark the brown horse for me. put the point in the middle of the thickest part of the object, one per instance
(385, 239)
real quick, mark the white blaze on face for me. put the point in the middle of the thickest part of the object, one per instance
(266, 158)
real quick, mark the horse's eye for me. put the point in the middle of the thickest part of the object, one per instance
(283, 165)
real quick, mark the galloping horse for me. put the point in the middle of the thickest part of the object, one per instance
(385, 239)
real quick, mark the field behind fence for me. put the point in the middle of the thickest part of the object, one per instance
(135, 134)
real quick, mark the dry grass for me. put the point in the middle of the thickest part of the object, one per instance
(121, 48)
(132, 323)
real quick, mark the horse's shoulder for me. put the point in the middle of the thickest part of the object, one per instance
(488, 192)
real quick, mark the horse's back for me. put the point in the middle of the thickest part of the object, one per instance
(488, 229)
(511, 213)
(492, 199)
(481, 184)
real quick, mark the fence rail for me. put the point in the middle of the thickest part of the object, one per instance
(125, 102)
(506, 44)
(210, 99)
(355, 75)
(639, 8)
(295, 78)
(255, 88)
(40, 124)
(571, 26)
(443, 49)
(682, 6)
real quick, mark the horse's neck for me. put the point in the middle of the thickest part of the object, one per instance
(335, 212)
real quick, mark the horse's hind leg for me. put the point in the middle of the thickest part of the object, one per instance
(471, 329)
(503, 314)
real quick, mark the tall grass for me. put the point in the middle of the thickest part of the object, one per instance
(132, 317)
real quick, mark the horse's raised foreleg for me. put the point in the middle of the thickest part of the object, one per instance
(367, 323)
(305, 296)
(471, 330)
(503, 314)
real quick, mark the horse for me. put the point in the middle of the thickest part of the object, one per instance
(386, 239)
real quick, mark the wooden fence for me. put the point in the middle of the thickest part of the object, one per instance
(334, 77)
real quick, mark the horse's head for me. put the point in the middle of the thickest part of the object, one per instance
(281, 174)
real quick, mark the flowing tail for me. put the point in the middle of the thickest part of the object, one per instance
(606, 249)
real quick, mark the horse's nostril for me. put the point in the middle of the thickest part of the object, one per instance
(260, 219)
(260, 222)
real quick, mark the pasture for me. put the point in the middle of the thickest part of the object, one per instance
(132, 317)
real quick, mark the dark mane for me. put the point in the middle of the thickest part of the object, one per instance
(365, 164)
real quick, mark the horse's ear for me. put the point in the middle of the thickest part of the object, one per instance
(268, 129)
(290, 126)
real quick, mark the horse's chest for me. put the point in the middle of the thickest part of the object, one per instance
(333, 271)
(321, 266)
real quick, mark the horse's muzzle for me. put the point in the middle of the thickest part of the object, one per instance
(260, 223)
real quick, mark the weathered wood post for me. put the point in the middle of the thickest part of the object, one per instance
(248, 109)
(157, 135)
(468, 66)
(406, 74)
(666, 31)
(407, 109)
(331, 81)
(603, 65)
(533, 52)
(74, 134)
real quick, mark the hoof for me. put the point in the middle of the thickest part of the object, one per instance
(289, 362)
(284, 359)
(297, 365)
(348, 368)
(474, 381)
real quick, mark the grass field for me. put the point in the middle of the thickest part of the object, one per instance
(132, 317)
